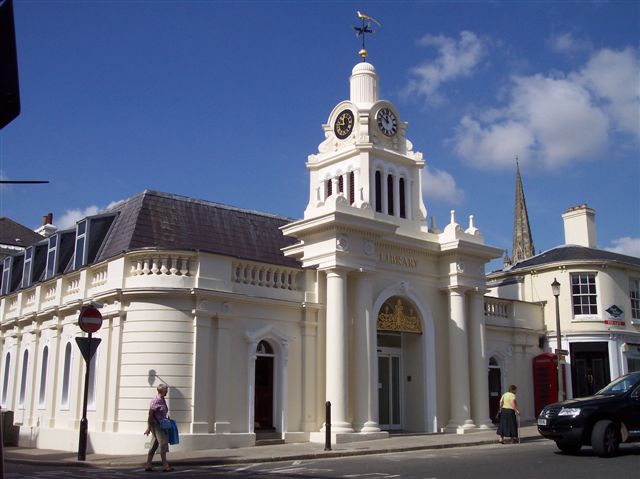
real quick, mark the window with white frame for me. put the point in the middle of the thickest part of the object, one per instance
(81, 245)
(23, 378)
(52, 257)
(42, 396)
(6, 275)
(634, 295)
(583, 294)
(66, 376)
(27, 270)
(5, 380)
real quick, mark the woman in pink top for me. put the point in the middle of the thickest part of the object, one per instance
(508, 426)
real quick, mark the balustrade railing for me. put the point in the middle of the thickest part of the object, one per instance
(266, 276)
(159, 264)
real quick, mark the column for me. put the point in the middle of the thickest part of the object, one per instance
(478, 363)
(309, 331)
(365, 357)
(458, 364)
(337, 387)
(223, 366)
(201, 373)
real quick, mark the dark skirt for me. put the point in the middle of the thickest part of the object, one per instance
(508, 426)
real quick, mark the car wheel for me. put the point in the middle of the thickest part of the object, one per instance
(605, 438)
(568, 447)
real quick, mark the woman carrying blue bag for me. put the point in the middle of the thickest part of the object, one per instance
(158, 411)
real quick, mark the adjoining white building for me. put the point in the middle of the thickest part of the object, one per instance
(599, 303)
(256, 320)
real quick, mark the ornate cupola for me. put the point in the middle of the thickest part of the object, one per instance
(366, 162)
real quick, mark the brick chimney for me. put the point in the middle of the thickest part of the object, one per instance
(580, 226)
(47, 228)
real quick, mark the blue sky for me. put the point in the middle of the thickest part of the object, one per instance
(224, 100)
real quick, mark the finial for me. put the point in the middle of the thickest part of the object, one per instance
(362, 30)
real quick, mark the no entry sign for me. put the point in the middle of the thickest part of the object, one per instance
(90, 319)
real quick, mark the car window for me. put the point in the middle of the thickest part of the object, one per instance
(620, 385)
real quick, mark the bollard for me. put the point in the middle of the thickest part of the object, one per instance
(327, 426)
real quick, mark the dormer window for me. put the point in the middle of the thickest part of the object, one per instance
(52, 257)
(81, 245)
(27, 270)
(6, 275)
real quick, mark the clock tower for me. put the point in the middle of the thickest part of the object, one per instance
(392, 294)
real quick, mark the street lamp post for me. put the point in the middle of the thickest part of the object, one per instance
(555, 288)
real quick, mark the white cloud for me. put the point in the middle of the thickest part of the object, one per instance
(456, 59)
(440, 185)
(614, 76)
(70, 217)
(626, 245)
(567, 43)
(557, 119)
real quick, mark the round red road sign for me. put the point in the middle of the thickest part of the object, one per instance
(90, 319)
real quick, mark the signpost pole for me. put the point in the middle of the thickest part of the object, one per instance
(84, 422)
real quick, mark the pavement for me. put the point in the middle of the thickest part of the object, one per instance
(271, 453)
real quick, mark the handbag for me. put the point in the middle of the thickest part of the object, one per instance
(165, 424)
(172, 434)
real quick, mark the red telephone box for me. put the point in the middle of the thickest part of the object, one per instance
(545, 380)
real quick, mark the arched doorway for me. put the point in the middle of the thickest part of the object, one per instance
(495, 388)
(400, 366)
(264, 379)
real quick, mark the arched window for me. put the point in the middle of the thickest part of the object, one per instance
(378, 192)
(390, 194)
(329, 187)
(352, 188)
(402, 200)
(5, 381)
(66, 376)
(43, 377)
(264, 349)
(23, 378)
(340, 184)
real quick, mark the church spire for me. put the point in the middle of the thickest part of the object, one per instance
(522, 240)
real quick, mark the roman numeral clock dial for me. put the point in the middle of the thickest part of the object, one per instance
(344, 124)
(387, 122)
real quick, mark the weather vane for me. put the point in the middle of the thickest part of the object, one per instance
(364, 29)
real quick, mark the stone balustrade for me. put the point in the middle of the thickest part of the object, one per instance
(267, 276)
(160, 264)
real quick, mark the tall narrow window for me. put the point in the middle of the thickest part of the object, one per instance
(66, 376)
(390, 194)
(43, 377)
(23, 378)
(5, 380)
(81, 250)
(583, 292)
(26, 270)
(634, 295)
(51, 257)
(340, 184)
(6, 275)
(329, 187)
(378, 192)
(402, 200)
(352, 188)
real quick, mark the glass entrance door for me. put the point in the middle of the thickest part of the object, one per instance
(389, 393)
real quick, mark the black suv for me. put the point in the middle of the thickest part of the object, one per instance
(603, 420)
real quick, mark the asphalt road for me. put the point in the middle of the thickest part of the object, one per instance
(533, 460)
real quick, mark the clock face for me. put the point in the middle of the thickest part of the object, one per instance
(344, 124)
(387, 122)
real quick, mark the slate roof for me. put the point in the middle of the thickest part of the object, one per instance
(14, 234)
(158, 220)
(573, 253)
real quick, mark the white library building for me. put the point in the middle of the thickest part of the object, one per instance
(255, 321)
